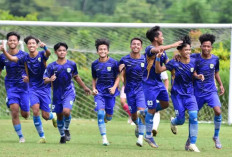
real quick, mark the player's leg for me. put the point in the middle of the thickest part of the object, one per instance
(163, 99)
(58, 108)
(214, 102)
(156, 121)
(67, 107)
(100, 108)
(45, 101)
(24, 104)
(124, 104)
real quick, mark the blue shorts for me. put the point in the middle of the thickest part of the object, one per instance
(42, 97)
(21, 98)
(106, 103)
(66, 102)
(182, 103)
(152, 94)
(212, 100)
(136, 100)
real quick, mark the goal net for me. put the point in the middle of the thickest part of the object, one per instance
(81, 37)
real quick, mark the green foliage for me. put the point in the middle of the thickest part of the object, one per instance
(5, 15)
(223, 54)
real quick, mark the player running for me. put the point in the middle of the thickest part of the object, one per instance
(60, 74)
(105, 83)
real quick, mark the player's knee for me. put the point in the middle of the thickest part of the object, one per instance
(180, 121)
(36, 112)
(45, 115)
(25, 115)
(109, 118)
(217, 112)
(193, 116)
(101, 114)
(164, 104)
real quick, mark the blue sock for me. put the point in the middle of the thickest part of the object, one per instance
(38, 125)
(193, 127)
(60, 125)
(158, 107)
(67, 121)
(217, 125)
(101, 123)
(109, 118)
(143, 112)
(141, 127)
(149, 124)
(50, 116)
(18, 130)
(136, 121)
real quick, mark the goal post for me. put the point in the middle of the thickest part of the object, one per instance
(80, 37)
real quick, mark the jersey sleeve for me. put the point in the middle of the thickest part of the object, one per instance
(116, 68)
(2, 64)
(22, 58)
(75, 72)
(94, 73)
(48, 71)
(148, 51)
(121, 61)
(170, 65)
(217, 65)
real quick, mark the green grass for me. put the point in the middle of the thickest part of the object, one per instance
(86, 141)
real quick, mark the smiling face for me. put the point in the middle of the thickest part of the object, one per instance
(160, 38)
(102, 51)
(32, 45)
(61, 52)
(185, 51)
(206, 48)
(136, 46)
(13, 42)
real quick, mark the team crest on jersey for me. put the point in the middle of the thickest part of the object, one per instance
(39, 59)
(108, 68)
(68, 70)
(211, 66)
(191, 69)
(142, 65)
(71, 102)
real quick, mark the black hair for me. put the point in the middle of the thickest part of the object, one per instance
(99, 42)
(59, 44)
(207, 37)
(152, 33)
(136, 38)
(186, 41)
(29, 38)
(12, 34)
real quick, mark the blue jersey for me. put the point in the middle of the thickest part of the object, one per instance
(36, 68)
(154, 78)
(14, 73)
(134, 73)
(183, 76)
(207, 67)
(63, 86)
(106, 74)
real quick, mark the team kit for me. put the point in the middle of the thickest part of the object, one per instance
(29, 81)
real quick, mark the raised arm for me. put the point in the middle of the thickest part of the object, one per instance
(158, 67)
(8, 56)
(165, 47)
(47, 51)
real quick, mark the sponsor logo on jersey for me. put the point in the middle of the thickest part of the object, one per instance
(68, 70)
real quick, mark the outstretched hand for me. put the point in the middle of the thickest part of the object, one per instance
(41, 44)
(2, 46)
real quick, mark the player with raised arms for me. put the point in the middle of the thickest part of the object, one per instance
(105, 83)
(60, 74)
(152, 84)
(40, 93)
(133, 67)
(15, 82)
(182, 92)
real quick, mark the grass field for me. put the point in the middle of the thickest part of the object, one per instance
(86, 141)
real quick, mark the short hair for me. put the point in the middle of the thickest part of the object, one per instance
(207, 37)
(152, 33)
(59, 44)
(99, 42)
(29, 38)
(13, 34)
(186, 41)
(136, 38)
